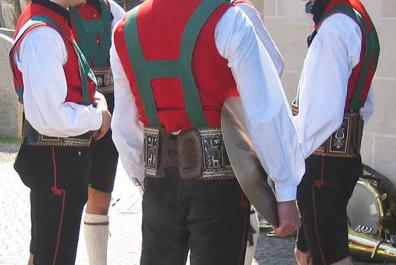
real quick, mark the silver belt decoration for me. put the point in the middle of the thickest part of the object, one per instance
(34, 138)
(345, 141)
(215, 159)
(104, 78)
(198, 154)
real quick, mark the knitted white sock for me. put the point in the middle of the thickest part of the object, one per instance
(96, 232)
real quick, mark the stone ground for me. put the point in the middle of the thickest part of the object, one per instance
(125, 241)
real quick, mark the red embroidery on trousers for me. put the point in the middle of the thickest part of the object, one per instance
(58, 192)
(318, 184)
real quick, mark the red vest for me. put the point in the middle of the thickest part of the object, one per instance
(71, 68)
(160, 27)
(358, 71)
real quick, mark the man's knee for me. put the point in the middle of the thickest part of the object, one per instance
(302, 258)
(98, 201)
(30, 262)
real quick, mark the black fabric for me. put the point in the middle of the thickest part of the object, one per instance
(36, 169)
(323, 195)
(318, 8)
(104, 158)
(211, 218)
(317, 11)
(54, 7)
(96, 4)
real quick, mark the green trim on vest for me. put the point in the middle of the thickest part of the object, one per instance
(145, 70)
(371, 51)
(85, 69)
(87, 33)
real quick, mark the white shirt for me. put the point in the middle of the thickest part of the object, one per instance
(263, 35)
(267, 112)
(323, 85)
(117, 11)
(41, 57)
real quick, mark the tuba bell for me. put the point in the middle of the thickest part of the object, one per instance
(372, 218)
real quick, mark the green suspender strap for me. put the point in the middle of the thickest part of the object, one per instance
(87, 33)
(371, 55)
(145, 70)
(85, 70)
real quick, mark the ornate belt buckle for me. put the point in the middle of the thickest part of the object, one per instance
(189, 152)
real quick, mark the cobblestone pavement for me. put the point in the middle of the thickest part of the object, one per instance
(125, 221)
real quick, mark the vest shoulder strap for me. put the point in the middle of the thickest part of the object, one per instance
(181, 68)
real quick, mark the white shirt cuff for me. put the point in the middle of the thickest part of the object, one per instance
(97, 119)
(285, 192)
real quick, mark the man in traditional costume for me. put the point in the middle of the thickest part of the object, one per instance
(334, 99)
(61, 109)
(174, 64)
(92, 26)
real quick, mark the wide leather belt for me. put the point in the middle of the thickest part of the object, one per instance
(104, 78)
(32, 137)
(344, 142)
(198, 154)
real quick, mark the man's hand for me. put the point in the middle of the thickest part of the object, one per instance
(101, 104)
(289, 218)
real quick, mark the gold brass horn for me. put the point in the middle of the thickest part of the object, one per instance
(370, 248)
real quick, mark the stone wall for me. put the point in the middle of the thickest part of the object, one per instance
(9, 13)
(10, 109)
(290, 26)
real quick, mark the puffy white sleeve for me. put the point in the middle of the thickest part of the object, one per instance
(264, 36)
(264, 102)
(126, 128)
(41, 57)
(117, 11)
(323, 85)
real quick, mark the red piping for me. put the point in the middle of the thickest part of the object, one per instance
(314, 212)
(58, 192)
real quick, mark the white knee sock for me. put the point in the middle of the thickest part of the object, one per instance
(96, 232)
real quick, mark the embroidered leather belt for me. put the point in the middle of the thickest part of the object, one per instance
(33, 137)
(344, 142)
(198, 154)
(104, 78)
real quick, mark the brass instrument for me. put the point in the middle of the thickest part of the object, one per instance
(372, 218)
(369, 248)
